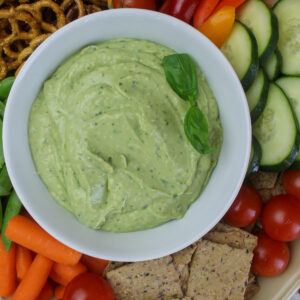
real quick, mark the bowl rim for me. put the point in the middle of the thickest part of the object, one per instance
(7, 122)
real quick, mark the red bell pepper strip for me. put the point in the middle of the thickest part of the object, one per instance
(218, 26)
(183, 9)
(234, 3)
(203, 11)
(165, 8)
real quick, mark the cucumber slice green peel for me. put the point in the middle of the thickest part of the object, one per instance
(257, 95)
(277, 131)
(288, 15)
(264, 25)
(255, 157)
(291, 87)
(241, 51)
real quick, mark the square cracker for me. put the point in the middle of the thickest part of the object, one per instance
(218, 272)
(147, 280)
(181, 262)
(252, 288)
(232, 236)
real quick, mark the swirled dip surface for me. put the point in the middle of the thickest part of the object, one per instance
(107, 138)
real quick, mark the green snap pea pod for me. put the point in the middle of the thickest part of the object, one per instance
(5, 184)
(1, 147)
(5, 86)
(13, 208)
(2, 108)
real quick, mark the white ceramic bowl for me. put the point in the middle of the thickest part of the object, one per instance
(225, 180)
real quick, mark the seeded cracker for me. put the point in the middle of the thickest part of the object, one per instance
(252, 288)
(156, 279)
(181, 262)
(233, 237)
(218, 272)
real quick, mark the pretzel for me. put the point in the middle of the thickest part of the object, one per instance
(12, 64)
(8, 14)
(32, 46)
(19, 68)
(3, 66)
(75, 12)
(12, 53)
(92, 8)
(35, 9)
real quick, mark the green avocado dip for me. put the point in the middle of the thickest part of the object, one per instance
(107, 138)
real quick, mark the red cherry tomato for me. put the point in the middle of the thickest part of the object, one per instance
(291, 182)
(146, 4)
(88, 286)
(280, 218)
(270, 257)
(246, 207)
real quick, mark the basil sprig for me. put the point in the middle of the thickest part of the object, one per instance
(181, 74)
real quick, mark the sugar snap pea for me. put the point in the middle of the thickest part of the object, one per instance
(1, 147)
(5, 86)
(2, 108)
(5, 184)
(13, 208)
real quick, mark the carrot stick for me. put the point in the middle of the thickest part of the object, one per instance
(47, 292)
(30, 235)
(59, 292)
(23, 261)
(32, 284)
(56, 278)
(7, 270)
(63, 274)
(94, 265)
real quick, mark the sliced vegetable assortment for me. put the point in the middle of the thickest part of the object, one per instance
(257, 95)
(219, 25)
(288, 14)
(203, 11)
(184, 9)
(277, 132)
(241, 51)
(263, 24)
(273, 65)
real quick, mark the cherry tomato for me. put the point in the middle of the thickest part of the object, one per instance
(88, 286)
(246, 207)
(270, 257)
(146, 4)
(291, 182)
(280, 218)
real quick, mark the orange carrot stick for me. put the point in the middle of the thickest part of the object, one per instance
(30, 235)
(23, 261)
(59, 292)
(63, 274)
(94, 265)
(32, 284)
(47, 292)
(7, 270)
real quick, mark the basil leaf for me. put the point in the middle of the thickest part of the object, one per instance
(196, 130)
(181, 74)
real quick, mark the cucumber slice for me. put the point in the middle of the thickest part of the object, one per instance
(277, 132)
(255, 157)
(241, 51)
(257, 95)
(260, 19)
(288, 14)
(291, 86)
(273, 65)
